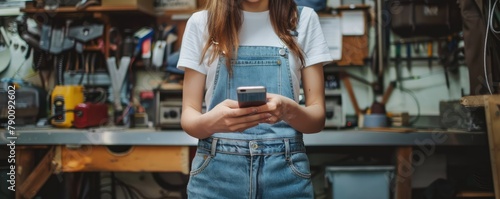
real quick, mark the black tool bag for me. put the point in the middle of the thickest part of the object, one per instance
(425, 18)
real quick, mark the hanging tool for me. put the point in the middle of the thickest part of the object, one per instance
(17, 48)
(4, 50)
(398, 63)
(64, 97)
(416, 47)
(118, 74)
(443, 50)
(408, 56)
(85, 33)
(429, 54)
(58, 39)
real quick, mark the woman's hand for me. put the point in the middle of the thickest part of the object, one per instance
(277, 106)
(228, 117)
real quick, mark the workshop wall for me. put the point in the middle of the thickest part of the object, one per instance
(428, 90)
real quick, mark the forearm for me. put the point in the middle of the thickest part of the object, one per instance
(310, 119)
(225, 117)
(192, 123)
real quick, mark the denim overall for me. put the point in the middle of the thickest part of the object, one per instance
(266, 161)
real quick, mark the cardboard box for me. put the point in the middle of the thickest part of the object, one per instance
(355, 47)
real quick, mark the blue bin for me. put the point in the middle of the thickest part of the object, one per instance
(360, 182)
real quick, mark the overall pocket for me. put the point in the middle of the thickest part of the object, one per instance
(299, 164)
(200, 162)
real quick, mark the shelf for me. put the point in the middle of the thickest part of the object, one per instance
(30, 8)
(9, 12)
(177, 137)
(475, 194)
(175, 12)
(93, 48)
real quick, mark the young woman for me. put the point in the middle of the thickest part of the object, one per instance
(254, 152)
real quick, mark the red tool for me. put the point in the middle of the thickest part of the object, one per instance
(90, 115)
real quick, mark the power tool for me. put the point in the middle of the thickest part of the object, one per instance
(90, 114)
(64, 100)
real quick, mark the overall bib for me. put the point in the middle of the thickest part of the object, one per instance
(266, 161)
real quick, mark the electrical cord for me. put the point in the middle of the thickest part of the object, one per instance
(124, 114)
(82, 63)
(113, 194)
(54, 116)
(490, 18)
(103, 96)
(412, 94)
(133, 192)
(60, 70)
(126, 191)
(485, 48)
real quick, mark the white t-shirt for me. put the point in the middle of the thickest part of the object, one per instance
(256, 30)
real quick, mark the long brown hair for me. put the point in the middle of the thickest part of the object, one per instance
(224, 22)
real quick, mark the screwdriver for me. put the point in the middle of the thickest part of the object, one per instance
(408, 56)
(429, 54)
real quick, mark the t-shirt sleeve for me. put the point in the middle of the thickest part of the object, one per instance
(192, 44)
(314, 42)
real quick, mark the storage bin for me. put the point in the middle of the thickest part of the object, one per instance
(360, 182)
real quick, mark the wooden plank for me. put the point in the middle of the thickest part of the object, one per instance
(141, 8)
(347, 83)
(390, 129)
(137, 159)
(39, 176)
(404, 172)
(388, 93)
(492, 110)
(25, 161)
(473, 101)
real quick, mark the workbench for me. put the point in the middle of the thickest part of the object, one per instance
(73, 150)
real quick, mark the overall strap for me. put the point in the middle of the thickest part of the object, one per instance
(299, 10)
(294, 32)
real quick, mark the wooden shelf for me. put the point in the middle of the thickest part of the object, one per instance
(163, 12)
(30, 8)
(475, 194)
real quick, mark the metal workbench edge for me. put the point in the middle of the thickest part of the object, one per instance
(117, 136)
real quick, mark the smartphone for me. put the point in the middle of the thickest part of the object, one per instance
(249, 96)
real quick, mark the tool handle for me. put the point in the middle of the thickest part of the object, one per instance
(398, 50)
(429, 49)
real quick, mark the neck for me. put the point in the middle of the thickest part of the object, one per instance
(255, 5)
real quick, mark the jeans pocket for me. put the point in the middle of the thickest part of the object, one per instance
(299, 164)
(200, 162)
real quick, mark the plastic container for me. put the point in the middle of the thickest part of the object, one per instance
(374, 120)
(360, 182)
